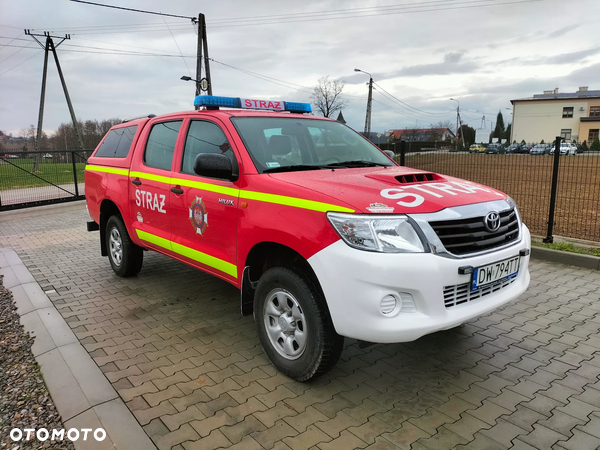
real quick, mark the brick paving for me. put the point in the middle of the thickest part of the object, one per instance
(172, 343)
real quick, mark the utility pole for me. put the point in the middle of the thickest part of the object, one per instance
(369, 102)
(50, 46)
(457, 124)
(202, 48)
(368, 117)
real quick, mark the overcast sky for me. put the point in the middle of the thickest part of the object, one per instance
(420, 52)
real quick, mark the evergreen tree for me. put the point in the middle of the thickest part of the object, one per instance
(499, 130)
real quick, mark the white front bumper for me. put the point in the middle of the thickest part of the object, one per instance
(354, 283)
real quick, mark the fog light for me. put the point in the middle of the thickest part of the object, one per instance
(388, 304)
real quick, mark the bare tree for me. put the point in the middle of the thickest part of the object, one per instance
(437, 129)
(326, 96)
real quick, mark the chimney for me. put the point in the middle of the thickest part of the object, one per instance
(583, 88)
(556, 90)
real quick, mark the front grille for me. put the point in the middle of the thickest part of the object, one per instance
(462, 293)
(464, 236)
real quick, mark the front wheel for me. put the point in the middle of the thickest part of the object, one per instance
(294, 326)
(125, 257)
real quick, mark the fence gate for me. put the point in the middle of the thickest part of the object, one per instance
(41, 177)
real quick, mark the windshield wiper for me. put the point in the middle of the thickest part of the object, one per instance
(357, 163)
(295, 168)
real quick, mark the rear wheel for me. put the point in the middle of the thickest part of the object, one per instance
(125, 257)
(294, 326)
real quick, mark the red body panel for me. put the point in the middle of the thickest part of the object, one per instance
(362, 187)
(224, 224)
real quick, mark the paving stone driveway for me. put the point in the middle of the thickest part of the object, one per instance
(172, 343)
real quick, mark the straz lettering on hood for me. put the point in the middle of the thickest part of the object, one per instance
(437, 190)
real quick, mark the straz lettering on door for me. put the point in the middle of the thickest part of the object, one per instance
(437, 190)
(148, 200)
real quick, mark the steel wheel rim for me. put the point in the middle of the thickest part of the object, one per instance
(285, 324)
(115, 246)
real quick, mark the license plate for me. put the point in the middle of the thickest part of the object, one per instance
(507, 268)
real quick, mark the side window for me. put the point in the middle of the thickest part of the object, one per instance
(161, 145)
(117, 143)
(204, 137)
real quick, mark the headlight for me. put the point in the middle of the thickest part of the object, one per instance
(513, 204)
(393, 234)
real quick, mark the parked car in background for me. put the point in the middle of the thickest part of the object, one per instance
(513, 148)
(566, 148)
(495, 149)
(476, 148)
(525, 148)
(539, 149)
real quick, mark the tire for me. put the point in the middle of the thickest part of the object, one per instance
(125, 257)
(294, 326)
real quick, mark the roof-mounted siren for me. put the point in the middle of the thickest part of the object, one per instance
(216, 102)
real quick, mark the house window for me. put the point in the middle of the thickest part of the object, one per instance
(595, 111)
(593, 135)
(567, 112)
(565, 134)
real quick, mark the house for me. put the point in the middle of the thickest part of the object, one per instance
(422, 134)
(574, 116)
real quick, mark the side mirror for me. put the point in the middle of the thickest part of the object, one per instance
(215, 165)
(390, 153)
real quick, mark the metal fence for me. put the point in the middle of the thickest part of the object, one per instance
(37, 178)
(41, 177)
(528, 179)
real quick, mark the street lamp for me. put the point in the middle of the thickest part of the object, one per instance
(201, 85)
(369, 100)
(457, 123)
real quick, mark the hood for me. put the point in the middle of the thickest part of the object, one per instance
(399, 190)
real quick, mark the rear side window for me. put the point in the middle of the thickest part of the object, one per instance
(161, 145)
(117, 142)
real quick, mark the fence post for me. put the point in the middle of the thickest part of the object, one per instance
(75, 174)
(402, 152)
(549, 239)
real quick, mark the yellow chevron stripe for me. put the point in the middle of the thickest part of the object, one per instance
(105, 169)
(203, 258)
(248, 195)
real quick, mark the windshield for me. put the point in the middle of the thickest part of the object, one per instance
(278, 144)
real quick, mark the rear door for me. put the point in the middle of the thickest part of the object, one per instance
(150, 176)
(203, 211)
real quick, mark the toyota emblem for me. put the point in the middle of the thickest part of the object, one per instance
(492, 221)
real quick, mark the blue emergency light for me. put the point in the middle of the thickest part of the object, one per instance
(212, 101)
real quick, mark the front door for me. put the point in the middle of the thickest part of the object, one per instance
(204, 210)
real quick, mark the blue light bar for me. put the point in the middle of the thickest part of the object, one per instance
(298, 107)
(211, 101)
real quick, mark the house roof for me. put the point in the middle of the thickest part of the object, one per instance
(417, 131)
(554, 95)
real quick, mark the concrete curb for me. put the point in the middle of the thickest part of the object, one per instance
(558, 256)
(82, 394)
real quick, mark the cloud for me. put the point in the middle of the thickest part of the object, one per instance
(562, 31)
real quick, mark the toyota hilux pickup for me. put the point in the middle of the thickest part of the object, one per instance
(325, 235)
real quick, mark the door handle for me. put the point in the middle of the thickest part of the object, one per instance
(176, 191)
(137, 182)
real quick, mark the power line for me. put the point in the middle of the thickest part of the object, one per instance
(132, 9)
(14, 67)
(405, 8)
(406, 105)
(318, 16)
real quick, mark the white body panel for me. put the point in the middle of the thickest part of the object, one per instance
(354, 283)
